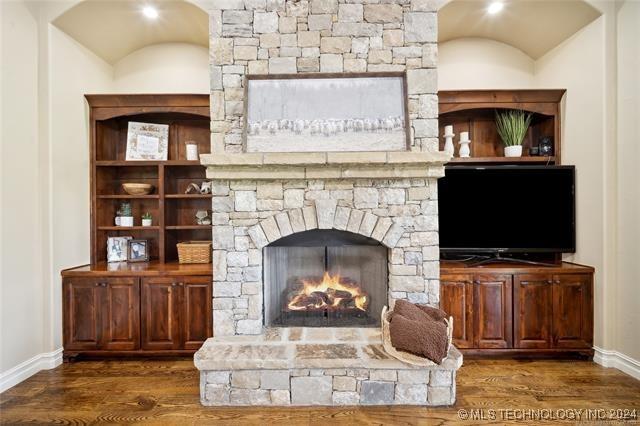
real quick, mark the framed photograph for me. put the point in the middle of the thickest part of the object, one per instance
(147, 141)
(117, 249)
(326, 112)
(138, 251)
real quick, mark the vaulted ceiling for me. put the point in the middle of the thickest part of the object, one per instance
(533, 26)
(113, 29)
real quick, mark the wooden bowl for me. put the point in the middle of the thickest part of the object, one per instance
(137, 188)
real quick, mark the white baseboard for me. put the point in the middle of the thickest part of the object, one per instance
(615, 359)
(22, 371)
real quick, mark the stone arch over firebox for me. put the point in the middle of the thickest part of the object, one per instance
(326, 214)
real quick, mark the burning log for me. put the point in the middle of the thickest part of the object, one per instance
(329, 294)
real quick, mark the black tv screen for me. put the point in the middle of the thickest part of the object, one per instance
(515, 209)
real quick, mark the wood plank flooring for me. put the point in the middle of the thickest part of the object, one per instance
(166, 392)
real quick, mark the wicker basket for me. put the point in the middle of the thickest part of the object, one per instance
(406, 356)
(194, 252)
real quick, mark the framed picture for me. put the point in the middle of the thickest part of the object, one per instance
(117, 249)
(147, 141)
(138, 251)
(326, 112)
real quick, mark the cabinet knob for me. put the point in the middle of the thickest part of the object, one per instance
(476, 282)
(173, 284)
(101, 284)
(181, 284)
(549, 282)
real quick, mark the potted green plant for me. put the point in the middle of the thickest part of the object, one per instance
(146, 219)
(512, 127)
(124, 217)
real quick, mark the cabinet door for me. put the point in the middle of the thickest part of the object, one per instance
(456, 299)
(120, 311)
(160, 314)
(81, 300)
(492, 311)
(532, 315)
(196, 312)
(572, 311)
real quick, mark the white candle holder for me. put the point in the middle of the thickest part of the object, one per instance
(448, 140)
(464, 151)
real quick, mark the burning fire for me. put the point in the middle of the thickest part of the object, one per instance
(332, 293)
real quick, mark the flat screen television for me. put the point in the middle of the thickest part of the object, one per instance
(507, 209)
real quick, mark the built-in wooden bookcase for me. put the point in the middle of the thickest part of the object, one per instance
(474, 111)
(173, 211)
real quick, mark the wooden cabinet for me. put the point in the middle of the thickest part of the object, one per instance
(158, 313)
(492, 295)
(456, 298)
(532, 311)
(572, 297)
(101, 314)
(519, 309)
(177, 312)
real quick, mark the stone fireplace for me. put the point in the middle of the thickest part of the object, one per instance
(309, 246)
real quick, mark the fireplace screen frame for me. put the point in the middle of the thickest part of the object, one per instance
(307, 256)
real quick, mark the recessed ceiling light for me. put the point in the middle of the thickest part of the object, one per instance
(150, 12)
(495, 7)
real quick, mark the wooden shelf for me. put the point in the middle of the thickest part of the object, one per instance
(128, 228)
(178, 227)
(124, 163)
(504, 160)
(188, 196)
(128, 197)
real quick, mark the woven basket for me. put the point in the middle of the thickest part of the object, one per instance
(194, 252)
(406, 356)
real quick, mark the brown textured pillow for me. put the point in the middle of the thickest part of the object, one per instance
(424, 338)
(435, 313)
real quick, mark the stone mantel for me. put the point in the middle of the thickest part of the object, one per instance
(325, 165)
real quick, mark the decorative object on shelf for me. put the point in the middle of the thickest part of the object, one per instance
(464, 151)
(545, 146)
(117, 249)
(512, 127)
(205, 188)
(137, 188)
(192, 187)
(316, 112)
(448, 140)
(147, 219)
(203, 217)
(533, 151)
(194, 252)
(192, 151)
(124, 217)
(147, 142)
(138, 251)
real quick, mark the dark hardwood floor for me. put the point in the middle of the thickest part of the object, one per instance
(166, 392)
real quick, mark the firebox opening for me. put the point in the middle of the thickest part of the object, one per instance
(325, 278)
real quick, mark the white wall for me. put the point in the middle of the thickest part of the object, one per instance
(164, 68)
(628, 250)
(578, 65)
(21, 292)
(477, 63)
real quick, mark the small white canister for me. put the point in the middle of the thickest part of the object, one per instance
(192, 151)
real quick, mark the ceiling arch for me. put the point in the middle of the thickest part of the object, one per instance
(533, 26)
(114, 29)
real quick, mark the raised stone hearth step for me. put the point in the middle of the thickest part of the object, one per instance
(318, 366)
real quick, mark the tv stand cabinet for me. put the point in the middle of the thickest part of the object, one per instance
(519, 309)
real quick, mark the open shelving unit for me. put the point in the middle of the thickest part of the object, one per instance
(173, 211)
(473, 111)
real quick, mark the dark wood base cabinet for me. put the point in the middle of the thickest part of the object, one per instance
(509, 309)
(150, 309)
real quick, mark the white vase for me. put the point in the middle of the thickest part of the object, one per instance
(146, 222)
(464, 151)
(124, 221)
(513, 151)
(448, 144)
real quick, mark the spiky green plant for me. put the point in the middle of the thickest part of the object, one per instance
(147, 215)
(512, 126)
(124, 210)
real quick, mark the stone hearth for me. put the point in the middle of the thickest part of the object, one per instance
(318, 366)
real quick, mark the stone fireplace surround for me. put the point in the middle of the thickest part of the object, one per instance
(390, 197)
